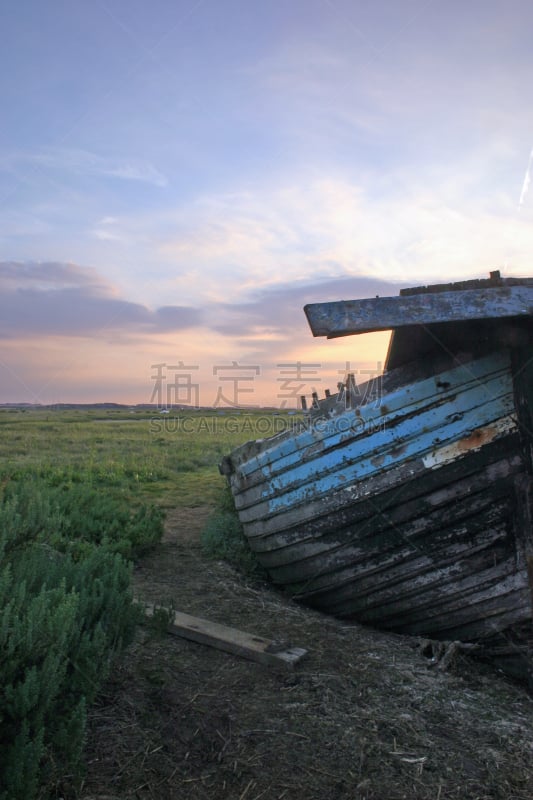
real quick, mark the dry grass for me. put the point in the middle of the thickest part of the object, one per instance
(364, 717)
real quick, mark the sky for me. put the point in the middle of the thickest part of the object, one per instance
(178, 178)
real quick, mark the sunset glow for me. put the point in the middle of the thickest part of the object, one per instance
(177, 180)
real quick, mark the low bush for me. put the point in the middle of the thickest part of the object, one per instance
(76, 518)
(223, 538)
(65, 610)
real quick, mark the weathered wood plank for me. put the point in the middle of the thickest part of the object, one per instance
(434, 602)
(348, 486)
(378, 542)
(413, 436)
(487, 378)
(409, 567)
(494, 279)
(368, 520)
(231, 640)
(346, 317)
(345, 501)
(495, 462)
(492, 617)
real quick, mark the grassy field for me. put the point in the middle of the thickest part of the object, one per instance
(169, 459)
(365, 716)
(83, 497)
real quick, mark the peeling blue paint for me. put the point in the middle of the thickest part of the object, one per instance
(479, 394)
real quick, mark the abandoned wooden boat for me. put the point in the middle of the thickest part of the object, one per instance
(410, 509)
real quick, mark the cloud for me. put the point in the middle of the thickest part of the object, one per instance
(58, 299)
(275, 312)
(112, 229)
(66, 332)
(303, 231)
(47, 274)
(22, 225)
(83, 162)
(105, 235)
(68, 300)
(404, 229)
(310, 89)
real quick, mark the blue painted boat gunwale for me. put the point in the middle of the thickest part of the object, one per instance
(476, 371)
(503, 468)
(358, 445)
(364, 468)
(341, 501)
(316, 481)
(499, 385)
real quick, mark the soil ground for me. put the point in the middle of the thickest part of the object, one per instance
(365, 716)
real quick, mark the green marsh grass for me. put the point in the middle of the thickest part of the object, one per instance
(82, 494)
(171, 460)
(138, 458)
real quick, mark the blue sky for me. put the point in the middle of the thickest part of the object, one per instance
(178, 178)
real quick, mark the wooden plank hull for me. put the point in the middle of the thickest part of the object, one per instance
(405, 514)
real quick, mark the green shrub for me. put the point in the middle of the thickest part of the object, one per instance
(223, 537)
(65, 611)
(76, 518)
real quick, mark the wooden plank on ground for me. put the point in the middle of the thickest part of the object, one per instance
(231, 640)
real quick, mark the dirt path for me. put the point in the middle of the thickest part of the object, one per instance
(364, 717)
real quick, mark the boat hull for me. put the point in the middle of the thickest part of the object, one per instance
(406, 513)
